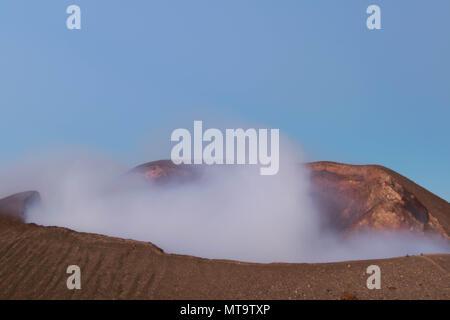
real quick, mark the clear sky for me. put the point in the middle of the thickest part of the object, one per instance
(308, 67)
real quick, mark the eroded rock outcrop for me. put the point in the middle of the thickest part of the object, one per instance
(14, 206)
(353, 198)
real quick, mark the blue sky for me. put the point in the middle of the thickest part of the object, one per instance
(310, 68)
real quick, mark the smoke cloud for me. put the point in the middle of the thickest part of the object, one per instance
(232, 213)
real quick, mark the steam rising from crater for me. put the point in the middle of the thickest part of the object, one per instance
(231, 213)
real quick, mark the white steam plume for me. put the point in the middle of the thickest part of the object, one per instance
(234, 213)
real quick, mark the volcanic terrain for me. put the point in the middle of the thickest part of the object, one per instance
(33, 259)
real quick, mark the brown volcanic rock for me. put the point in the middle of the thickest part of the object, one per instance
(34, 260)
(353, 198)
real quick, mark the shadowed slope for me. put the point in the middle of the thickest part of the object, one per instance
(14, 206)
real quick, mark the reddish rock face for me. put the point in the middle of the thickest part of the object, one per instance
(354, 198)
(164, 171)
